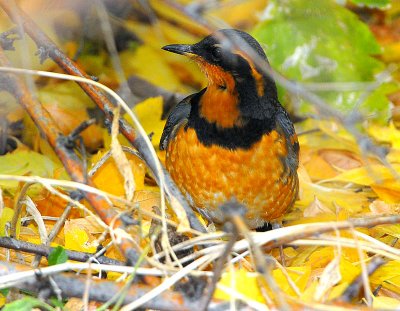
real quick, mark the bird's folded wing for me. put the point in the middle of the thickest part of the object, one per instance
(177, 117)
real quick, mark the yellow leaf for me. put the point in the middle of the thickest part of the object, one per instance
(160, 33)
(157, 71)
(290, 252)
(66, 95)
(318, 168)
(24, 162)
(386, 303)
(321, 257)
(339, 133)
(326, 139)
(149, 113)
(172, 14)
(374, 174)
(298, 275)
(245, 284)
(348, 270)
(303, 255)
(308, 295)
(240, 14)
(347, 199)
(393, 156)
(77, 238)
(387, 273)
(392, 230)
(317, 208)
(386, 191)
(109, 171)
(393, 284)
(337, 290)
(379, 207)
(171, 69)
(6, 217)
(386, 134)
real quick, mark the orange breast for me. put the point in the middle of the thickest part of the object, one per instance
(209, 176)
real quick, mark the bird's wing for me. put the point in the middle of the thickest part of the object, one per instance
(176, 118)
(286, 127)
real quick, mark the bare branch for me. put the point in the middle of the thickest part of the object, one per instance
(43, 250)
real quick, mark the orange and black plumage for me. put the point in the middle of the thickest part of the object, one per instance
(233, 140)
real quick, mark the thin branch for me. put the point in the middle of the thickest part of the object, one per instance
(219, 266)
(43, 250)
(101, 290)
(54, 231)
(18, 203)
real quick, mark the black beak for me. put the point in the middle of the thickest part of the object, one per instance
(183, 49)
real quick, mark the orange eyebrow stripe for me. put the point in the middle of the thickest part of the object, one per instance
(258, 78)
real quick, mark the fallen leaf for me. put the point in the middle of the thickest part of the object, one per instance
(378, 207)
(149, 113)
(385, 303)
(316, 208)
(24, 162)
(108, 178)
(298, 275)
(341, 159)
(245, 283)
(79, 237)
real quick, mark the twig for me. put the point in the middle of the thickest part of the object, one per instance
(107, 155)
(17, 209)
(37, 217)
(219, 265)
(54, 231)
(364, 270)
(263, 265)
(319, 228)
(101, 290)
(43, 250)
(75, 134)
(6, 42)
(160, 289)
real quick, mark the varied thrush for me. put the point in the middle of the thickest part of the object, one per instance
(233, 139)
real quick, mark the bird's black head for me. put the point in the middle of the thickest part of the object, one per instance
(230, 51)
(223, 48)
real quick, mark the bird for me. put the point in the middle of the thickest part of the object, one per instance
(233, 140)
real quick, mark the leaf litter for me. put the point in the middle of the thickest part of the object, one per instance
(337, 181)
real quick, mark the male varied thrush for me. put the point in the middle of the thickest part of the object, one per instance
(233, 140)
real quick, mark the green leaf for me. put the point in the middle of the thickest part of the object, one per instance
(57, 255)
(321, 41)
(4, 292)
(26, 304)
(373, 3)
(57, 303)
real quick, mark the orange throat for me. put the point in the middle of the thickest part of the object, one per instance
(220, 103)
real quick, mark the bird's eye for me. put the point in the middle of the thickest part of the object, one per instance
(216, 54)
